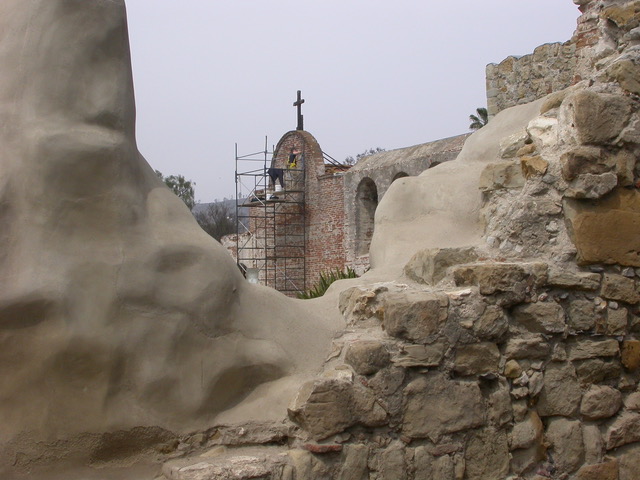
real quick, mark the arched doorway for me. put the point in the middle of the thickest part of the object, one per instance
(399, 175)
(366, 204)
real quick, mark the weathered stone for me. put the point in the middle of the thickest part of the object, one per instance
(512, 369)
(606, 231)
(477, 359)
(601, 471)
(307, 465)
(630, 355)
(420, 355)
(415, 316)
(392, 465)
(632, 402)
(328, 406)
(435, 405)
(626, 73)
(367, 356)
(536, 382)
(354, 466)
(597, 370)
(582, 159)
(618, 287)
(598, 118)
(625, 429)
(423, 464)
(430, 266)
(600, 402)
(565, 438)
(574, 280)
(540, 317)
(323, 447)
(487, 455)
(543, 130)
(561, 393)
(593, 445)
(582, 315)
(492, 324)
(526, 433)
(528, 149)
(501, 277)
(500, 411)
(530, 346)
(510, 145)
(533, 165)
(242, 467)
(617, 321)
(591, 186)
(587, 348)
(628, 461)
(444, 468)
(499, 175)
(624, 15)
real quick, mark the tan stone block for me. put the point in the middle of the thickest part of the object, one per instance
(367, 356)
(600, 401)
(624, 15)
(430, 265)
(577, 280)
(565, 438)
(498, 175)
(601, 471)
(487, 455)
(621, 288)
(415, 316)
(561, 394)
(598, 118)
(477, 359)
(533, 165)
(585, 348)
(630, 355)
(606, 231)
(625, 429)
(540, 317)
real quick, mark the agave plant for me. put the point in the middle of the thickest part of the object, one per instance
(326, 279)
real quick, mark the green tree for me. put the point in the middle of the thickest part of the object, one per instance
(352, 161)
(182, 187)
(480, 120)
(217, 219)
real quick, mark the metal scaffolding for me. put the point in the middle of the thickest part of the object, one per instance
(271, 226)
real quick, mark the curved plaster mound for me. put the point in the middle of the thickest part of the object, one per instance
(117, 313)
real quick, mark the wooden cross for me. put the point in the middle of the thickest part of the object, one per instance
(298, 104)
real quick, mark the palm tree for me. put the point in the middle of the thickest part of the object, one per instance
(480, 120)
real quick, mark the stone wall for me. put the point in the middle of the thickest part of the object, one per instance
(518, 80)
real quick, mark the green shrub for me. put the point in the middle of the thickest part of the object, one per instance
(326, 279)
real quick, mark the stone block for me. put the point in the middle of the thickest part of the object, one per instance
(510, 145)
(420, 355)
(600, 401)
(526, 433)
(492, 324)
(435, 405)
(625, 429)
(601, 471)
(529, 346)
(493, 278)
(593, 444)
(565, 438)
(617, 321)
(561, 393)
(423, 464)
(477, 359)
(430, 265)
(632, 402)
(367, 356)
(540, 317)
(533, 165)
(307, 465)
(512, 369)
(591, 186)
(574, 280)
(628, 461)
(354, 466)
(416, 316)
(392, 465)
(596, 370)
(621, 288)
(487, 455)
(630, 355)
(598, 118)
(582, 315)
(500, 411)
(626, 73)
(499, 175)
(606, 231)
(581, 160)
(586, 348)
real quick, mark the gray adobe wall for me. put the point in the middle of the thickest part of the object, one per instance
(382, 169)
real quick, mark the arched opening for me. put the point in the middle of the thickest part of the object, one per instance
(366, 204)
(399, 175)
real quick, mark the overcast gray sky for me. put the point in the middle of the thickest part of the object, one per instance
(373, 73)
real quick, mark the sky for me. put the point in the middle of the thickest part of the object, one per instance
(210, 74)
